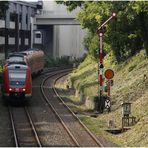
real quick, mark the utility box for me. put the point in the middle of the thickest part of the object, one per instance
(126, 109)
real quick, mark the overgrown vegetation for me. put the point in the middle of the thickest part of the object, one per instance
(126, 53)
(85, 77)
(125, 36)
(129, 85)
(51, 62)
(62, 61)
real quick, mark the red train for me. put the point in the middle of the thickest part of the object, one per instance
(35, 60)
(17, 79)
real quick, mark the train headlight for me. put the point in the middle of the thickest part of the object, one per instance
(10, 89)
(24, 89)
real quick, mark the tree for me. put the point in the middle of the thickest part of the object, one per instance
(71, 5)
(125, 36)
(140, 9)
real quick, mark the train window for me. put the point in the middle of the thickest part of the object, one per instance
(12, 59)
(17, 78)
(17, 83)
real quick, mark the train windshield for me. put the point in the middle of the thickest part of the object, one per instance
(17, 78)
(14, 59)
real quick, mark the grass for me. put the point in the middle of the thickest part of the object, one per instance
(129, 85)
(84, 75)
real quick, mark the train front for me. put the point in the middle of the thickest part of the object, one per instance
(17, 83)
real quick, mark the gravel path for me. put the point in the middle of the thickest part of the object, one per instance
(81, 135)
(71, 91)
(49, 128)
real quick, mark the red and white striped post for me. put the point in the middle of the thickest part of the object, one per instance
(101, 67)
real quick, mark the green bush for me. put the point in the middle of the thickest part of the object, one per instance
(51, 62)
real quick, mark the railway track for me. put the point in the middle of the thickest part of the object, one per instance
(24, 131)
(77, 131)
(47, 121)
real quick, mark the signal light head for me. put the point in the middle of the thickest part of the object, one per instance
(24, 89)
(100, 34)
(114, 14)
(10, 89)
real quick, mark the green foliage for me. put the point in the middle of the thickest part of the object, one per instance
(91, 43)
(125, 36)
(129, 85)
(131, 68)
(71, 5)
(51, 62)
(92, 14)
(82, 77)
(139, 6)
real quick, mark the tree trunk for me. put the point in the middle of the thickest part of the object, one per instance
(143, 29)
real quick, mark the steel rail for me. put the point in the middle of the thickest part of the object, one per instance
(88, 131)
(13, 127)
(53, 109)
(33, 127)
(31, 124)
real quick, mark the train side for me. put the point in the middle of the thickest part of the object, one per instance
(35, 60)
(17, 81)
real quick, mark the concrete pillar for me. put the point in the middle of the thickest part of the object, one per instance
(7, 25)
(7, 19)
(23, 18)
(17, 32)
(28, 17)
(56, 41)
(31, 28)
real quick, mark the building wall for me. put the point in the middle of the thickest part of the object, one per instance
(15, 30)
(67, 39)
(71, 41)
(53, 7)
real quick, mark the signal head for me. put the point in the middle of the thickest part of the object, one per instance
(100, 34)
(10, 89)
(114, 14)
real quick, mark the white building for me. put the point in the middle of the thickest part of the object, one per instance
(63, 35)
(15, 27)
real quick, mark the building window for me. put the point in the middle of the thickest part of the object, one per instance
(26, 19)
(12, 17)
(38, 35)
(20, 18)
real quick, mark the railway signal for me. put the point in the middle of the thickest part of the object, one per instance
(109, 74)
(101, 30)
